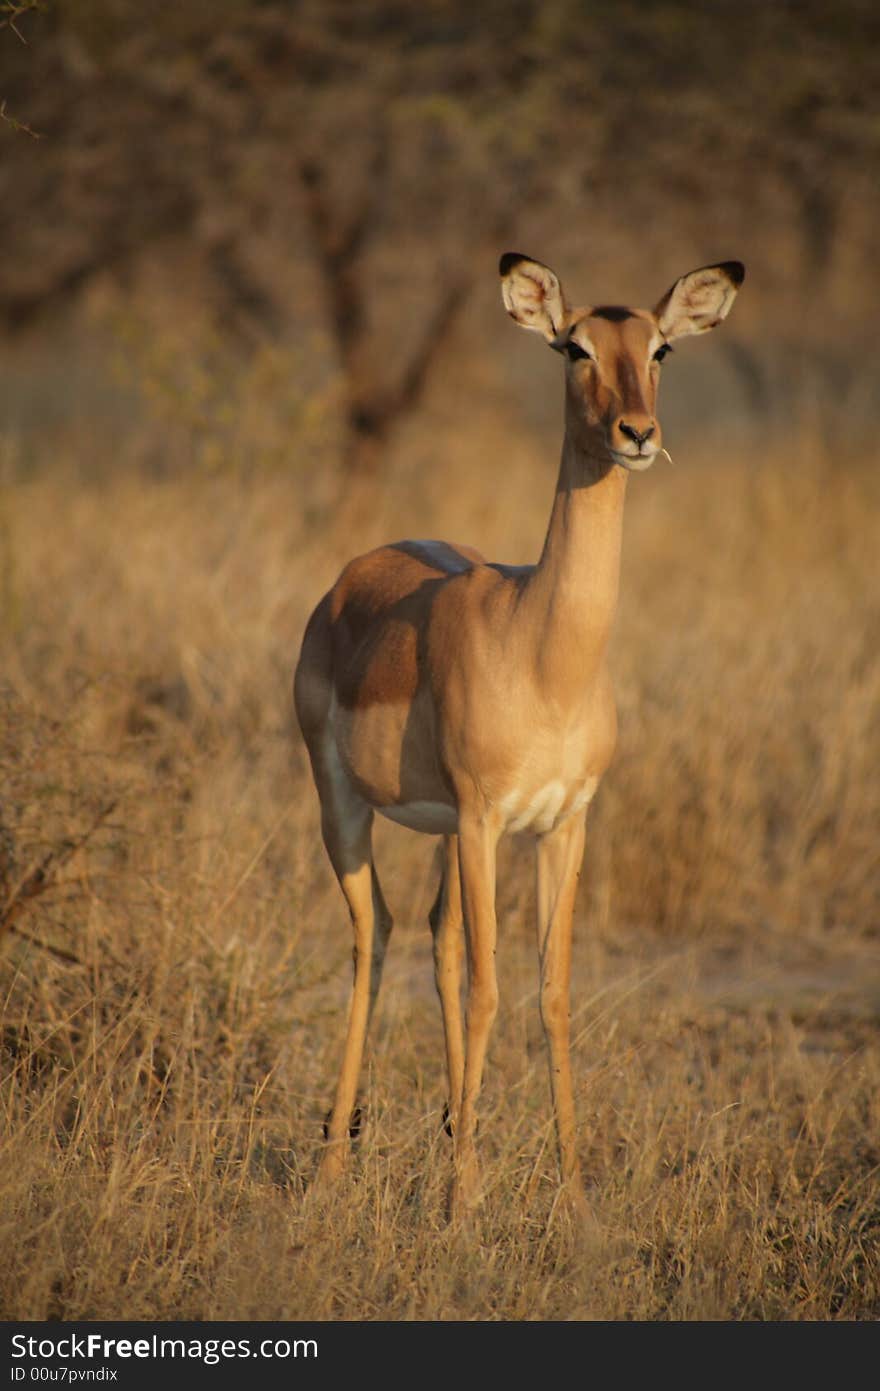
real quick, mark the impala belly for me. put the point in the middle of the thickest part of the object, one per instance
(537, 811)
(369, 762)
(383, 760)
(431, 818)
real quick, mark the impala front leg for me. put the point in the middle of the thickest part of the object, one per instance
(478, 839)
(559, 860)
(446, 923)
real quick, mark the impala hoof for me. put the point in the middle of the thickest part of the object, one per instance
(354, 1124)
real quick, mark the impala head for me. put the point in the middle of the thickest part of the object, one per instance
(613, 354)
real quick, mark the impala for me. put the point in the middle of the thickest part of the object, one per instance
(464, 699)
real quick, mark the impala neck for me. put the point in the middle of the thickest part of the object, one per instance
(571, 595)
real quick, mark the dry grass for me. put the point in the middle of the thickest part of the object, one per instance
(164, 1080)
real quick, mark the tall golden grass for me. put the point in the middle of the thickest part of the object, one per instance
(174, 985)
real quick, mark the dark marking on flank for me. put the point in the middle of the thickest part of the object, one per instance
(614, 312)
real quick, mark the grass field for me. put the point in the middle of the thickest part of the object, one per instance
(176, 962)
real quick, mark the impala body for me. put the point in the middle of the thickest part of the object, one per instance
(465, 699)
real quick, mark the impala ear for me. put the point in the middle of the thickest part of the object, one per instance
(532, 294)
(699, 300)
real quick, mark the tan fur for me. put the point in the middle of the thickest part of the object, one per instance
(472, 699)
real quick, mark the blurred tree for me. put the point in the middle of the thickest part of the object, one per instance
(318, 165)
(12, 13)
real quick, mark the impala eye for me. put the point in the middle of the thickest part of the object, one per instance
(575, 352)
(662, 351)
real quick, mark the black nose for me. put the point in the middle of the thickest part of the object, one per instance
(639, 436)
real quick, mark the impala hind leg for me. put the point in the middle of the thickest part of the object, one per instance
(349, 844)
(447, 929)
(559, 860)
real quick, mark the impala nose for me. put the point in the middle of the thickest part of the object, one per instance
(637, 436)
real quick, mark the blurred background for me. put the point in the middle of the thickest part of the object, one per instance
(272, 230)
(250, 325)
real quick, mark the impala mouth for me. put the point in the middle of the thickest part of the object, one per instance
(636, 463)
